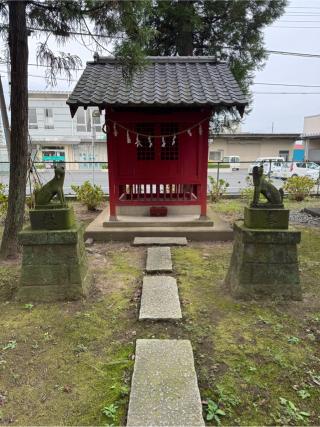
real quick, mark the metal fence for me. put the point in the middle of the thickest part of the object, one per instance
(235, 174)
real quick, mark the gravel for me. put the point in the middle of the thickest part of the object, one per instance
(300, 217)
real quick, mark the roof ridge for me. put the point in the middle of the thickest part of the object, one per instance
(159, 59)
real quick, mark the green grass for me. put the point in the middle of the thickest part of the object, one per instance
(67, 362)
(243, 357)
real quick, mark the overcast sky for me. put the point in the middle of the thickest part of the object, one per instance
(280, 112)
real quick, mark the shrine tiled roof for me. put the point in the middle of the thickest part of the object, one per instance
(165, 80)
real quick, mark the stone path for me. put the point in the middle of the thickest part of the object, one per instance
(160, 298)
(159, 260)
(164, 388)
(160, 241)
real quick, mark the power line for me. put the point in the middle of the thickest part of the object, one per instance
(309, 22)
(303, 7)
(306, 28)
(268, 51)
(45, 66)
(256, 93)
(300, 14)
(255, 83)
(43, 77)
(306, 55)
(77, 33)
(284, 84)
(286, 93)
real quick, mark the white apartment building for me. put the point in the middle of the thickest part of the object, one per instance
(55, 136)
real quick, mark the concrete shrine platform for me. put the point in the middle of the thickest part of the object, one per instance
(129, 226)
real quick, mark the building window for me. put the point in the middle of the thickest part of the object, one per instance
(215, 156)
(169, 144)
(146, 151)
(48, 118)
(96, 122)
(86, 119)
(32, 118)
(83, 120)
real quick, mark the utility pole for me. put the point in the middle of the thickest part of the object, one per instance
(5, 120)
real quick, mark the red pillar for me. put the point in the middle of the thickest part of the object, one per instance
(111, 175)
(203, 158)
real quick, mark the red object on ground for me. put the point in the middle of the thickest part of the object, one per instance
(158, 211)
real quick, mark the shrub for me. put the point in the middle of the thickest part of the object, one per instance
(299, 187)
(217, 188)
(3, 200)
(247, 192)
(88, 194)
(104, 166)
(39, 165)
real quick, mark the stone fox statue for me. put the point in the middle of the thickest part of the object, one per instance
(262, 186)
(45, 194)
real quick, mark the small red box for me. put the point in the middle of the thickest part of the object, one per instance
(158, 211)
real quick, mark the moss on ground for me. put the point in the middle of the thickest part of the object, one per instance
(9, 275)
(66, 364)
(252, 355)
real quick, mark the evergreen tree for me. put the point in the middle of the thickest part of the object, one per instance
(230, 30)
(62, 20)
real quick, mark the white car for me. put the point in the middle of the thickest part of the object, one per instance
(310, 169)
(270, 164)
(234, 162)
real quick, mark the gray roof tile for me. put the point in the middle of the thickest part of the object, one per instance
(168, 80)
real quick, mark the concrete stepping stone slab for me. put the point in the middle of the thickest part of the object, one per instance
(160, 241)
(164, 390)
(160, 298)
(159, 260)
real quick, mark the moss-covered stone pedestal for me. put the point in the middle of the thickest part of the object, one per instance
(54, 265)
(264, 263)
(53, 216)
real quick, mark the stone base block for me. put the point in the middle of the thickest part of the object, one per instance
(54, 265)
(264, 264)
(270, 219)
(52, 219)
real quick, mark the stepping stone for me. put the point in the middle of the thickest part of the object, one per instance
(160, 298)
(164, 389)
(159, 260)
(160, 241)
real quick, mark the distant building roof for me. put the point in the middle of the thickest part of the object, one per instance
(251, 135)
(45, 94)
(167, 80)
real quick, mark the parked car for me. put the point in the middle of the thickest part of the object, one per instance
(288, 169)
(234, 162)
(269, 164)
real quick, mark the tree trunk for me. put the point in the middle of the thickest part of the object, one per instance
(18, 45)
(184, 34)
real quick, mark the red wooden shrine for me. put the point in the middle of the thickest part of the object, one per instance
(157, 128)
(157, 170)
